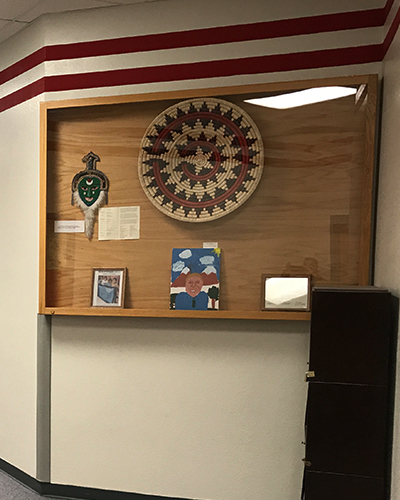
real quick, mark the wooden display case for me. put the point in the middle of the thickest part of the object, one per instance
(310, 214)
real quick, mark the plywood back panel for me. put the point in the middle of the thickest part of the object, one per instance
(306, 215)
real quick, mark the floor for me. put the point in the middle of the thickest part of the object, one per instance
(10, 489)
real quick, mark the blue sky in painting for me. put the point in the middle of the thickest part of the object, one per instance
(195, 260)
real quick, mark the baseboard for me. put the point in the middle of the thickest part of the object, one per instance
(20, 476)
(81, 493)
(73, 492)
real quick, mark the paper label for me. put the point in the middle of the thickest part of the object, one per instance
(69, 226)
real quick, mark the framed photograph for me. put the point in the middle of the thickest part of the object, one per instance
(286, 293)
(108, 287)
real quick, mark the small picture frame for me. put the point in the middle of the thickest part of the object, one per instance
(286, 293)
(108, 287)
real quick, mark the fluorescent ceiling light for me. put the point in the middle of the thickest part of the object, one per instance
(303, 97)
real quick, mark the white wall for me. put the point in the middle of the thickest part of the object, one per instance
(177, 408)
(19, 255)
(195, 409)
(19, 227)
(387, 271)
(174, 15)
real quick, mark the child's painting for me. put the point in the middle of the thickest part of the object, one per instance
(195, 278)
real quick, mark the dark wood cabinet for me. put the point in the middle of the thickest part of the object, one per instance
(349, 406)
(346, 429)
(325, 486)
(350, 335)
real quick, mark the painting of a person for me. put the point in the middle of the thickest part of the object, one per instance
(193, 297)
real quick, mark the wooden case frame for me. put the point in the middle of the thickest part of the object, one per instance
(57, 116)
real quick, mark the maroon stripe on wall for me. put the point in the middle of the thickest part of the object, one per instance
(214, 69)
(386, 9)
(190, 71)
(391, 33)
(195, 71)
(23, 65)
(200, 37)
(222, 34)
(32, 90)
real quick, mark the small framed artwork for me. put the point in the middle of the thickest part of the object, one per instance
(286, 293)
(108, 287)
(195, 279)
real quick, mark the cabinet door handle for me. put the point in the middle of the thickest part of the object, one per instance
(307, 463)
(309, 374)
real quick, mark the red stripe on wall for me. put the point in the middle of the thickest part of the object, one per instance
(211, 69)
(195, 71)
(23, 65)
(386, 9)
(200, 37)
(223, 34)
(391, 33)
(216, 69)
(32, 90)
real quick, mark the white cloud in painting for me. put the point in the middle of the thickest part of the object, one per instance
(209, 270)
(178, 266)
(207, 259)
(185, 254)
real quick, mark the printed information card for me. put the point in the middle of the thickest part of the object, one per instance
(119, 223)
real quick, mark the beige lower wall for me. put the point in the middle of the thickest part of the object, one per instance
(189, 408)
(19, 228)
(387, 272)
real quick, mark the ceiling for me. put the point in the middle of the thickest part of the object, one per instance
(15, 15)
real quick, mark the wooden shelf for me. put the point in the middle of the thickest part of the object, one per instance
(151, 313)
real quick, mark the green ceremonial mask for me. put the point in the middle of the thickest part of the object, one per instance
(89, 189)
